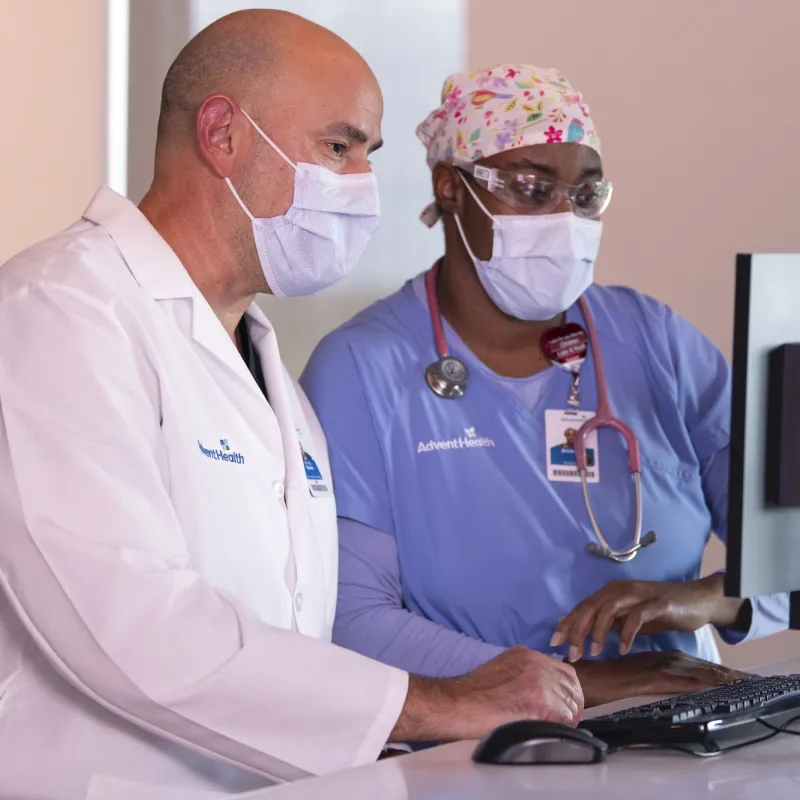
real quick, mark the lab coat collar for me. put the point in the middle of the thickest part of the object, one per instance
(160, 273)
(150, 259)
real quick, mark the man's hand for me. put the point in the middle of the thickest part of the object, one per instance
(649, 674)
(648, 607)
(518, 684)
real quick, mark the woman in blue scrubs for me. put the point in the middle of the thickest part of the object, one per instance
(463, 530)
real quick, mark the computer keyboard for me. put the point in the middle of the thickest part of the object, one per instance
(709, 721)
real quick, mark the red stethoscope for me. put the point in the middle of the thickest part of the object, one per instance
(448, 377)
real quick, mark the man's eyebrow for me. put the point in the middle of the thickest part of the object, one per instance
(348, 130)
(353, 133)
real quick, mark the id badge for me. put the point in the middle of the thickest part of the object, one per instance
(560, 430)
(317, 485)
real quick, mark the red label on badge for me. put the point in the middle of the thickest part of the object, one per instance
(566, 346)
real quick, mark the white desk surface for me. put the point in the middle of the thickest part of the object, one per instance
(767, 771)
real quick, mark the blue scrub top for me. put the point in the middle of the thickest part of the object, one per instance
(487, 545)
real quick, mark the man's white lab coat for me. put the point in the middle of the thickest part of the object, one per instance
(158, 539)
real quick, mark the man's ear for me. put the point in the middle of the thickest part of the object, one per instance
(220, 133)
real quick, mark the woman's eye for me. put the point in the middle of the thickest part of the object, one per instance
(537, 192)
(587, 196)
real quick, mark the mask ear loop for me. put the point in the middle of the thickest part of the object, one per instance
(274, 147)
(270, 142)
(464, 240)
(495, 223)
(239, 200)
(477, 199)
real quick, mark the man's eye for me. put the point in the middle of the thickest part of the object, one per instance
(339, 149)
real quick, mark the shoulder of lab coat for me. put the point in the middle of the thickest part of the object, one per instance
(94, 561)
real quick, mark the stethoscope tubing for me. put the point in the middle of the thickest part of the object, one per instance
(603, 418)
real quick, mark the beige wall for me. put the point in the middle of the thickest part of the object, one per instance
(52, 59)
(695, 101)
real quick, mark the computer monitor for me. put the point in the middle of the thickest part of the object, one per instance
(763, 552)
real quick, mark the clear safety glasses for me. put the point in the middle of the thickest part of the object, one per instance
(526, 192)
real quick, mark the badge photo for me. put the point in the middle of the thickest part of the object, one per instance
(561, 427)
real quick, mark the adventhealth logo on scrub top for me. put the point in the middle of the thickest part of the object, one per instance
(469, 439)
(223, 454)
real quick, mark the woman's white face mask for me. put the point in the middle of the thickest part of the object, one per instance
(540, 264)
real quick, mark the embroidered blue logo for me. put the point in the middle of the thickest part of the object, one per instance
(223, 454)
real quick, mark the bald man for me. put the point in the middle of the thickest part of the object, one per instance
(168, 541)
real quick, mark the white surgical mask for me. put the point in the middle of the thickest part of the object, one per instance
(323, 234)
(540, 264)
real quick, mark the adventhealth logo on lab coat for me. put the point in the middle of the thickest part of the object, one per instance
(223, 454)
(470, 439)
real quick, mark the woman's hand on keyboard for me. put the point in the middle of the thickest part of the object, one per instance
(652, 673)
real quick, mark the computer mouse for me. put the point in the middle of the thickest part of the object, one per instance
(537, 742)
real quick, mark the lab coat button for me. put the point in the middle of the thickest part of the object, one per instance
(298, 603)
(278, 486)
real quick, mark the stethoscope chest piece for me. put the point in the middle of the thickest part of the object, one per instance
(447, 377)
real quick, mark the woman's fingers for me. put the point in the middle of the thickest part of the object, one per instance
(604, 621)
(579, 623)
(633, 622)
(626, 605)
